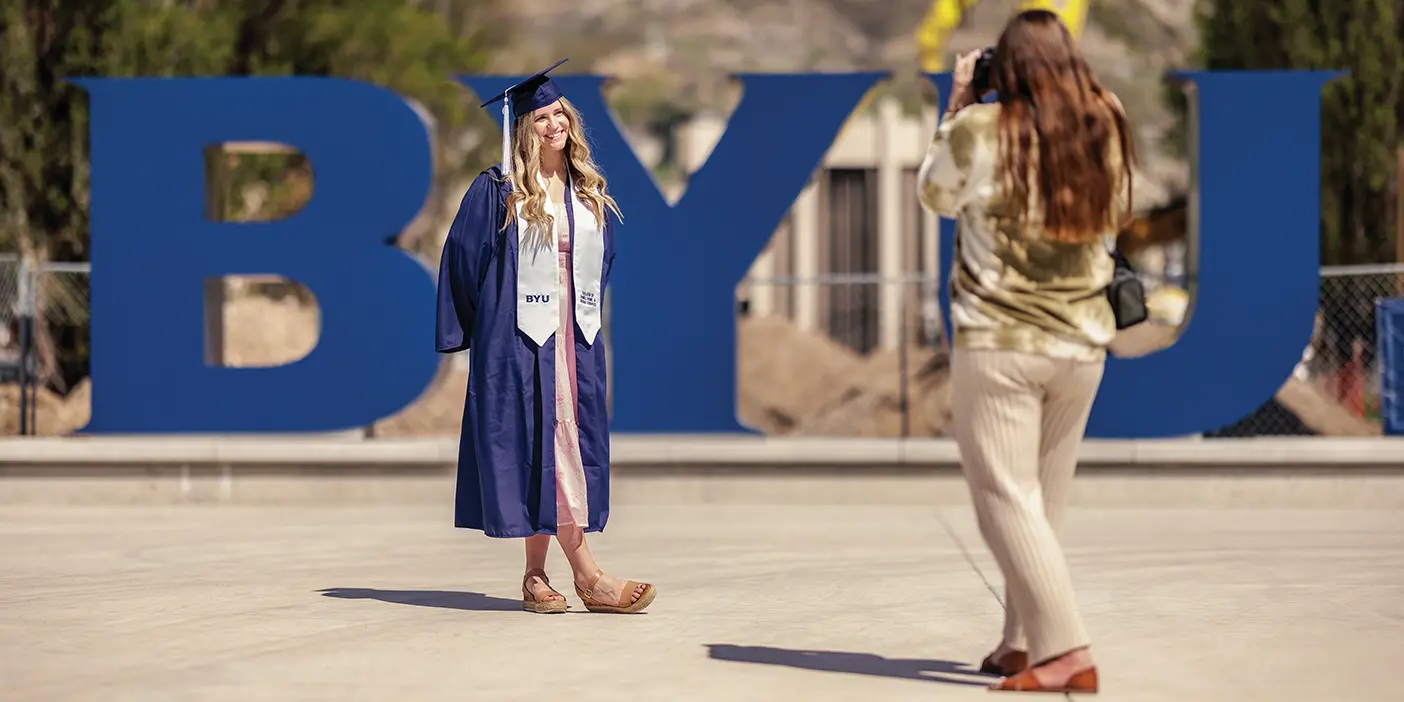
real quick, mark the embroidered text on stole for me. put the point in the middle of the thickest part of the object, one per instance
(539, 280)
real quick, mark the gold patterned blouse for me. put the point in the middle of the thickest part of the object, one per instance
(1011, 288)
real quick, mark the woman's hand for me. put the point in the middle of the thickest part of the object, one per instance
(960, 80)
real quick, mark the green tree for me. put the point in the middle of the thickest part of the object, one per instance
(410, 47)
(1362, 114)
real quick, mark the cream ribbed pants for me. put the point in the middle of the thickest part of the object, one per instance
(1019, 419)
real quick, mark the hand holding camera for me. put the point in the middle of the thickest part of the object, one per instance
(971, 78)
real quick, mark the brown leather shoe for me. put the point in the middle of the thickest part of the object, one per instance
(1083, 682)
(1011, 663)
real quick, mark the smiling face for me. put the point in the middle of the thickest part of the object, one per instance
(552, 126)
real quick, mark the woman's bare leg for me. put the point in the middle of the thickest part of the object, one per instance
(536, 548)
(582, 563)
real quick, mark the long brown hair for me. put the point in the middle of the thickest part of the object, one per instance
(1058, 121)
(587, 181)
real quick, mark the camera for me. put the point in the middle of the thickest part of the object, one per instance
(980, 78)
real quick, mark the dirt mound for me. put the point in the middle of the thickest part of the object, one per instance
(54, 415)
(871, 404)
(261, 331)
(784, 373)
(798, 382)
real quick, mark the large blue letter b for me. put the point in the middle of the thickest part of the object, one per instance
(153, 247)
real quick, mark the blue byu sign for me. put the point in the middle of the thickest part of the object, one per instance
(153, 247)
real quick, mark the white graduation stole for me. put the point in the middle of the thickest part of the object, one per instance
(539, 276)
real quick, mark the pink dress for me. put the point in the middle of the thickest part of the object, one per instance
(572, 507)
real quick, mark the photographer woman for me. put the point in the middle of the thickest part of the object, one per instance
(1036, 181)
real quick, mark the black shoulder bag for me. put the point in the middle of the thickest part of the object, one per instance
(1126, 294)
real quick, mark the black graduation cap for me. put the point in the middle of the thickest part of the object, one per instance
(531, 94)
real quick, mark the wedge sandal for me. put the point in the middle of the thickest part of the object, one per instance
(531, 604)
(594, 605)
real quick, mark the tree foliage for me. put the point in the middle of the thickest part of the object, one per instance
(1362, 114)
(404, 45)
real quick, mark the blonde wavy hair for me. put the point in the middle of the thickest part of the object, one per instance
(586, 179)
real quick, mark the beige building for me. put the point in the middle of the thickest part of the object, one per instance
(857, 254)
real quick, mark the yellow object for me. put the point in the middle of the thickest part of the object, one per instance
(932, 33)
(945, 16)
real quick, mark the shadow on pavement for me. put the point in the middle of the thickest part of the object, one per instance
(854, 663)
(474, 601)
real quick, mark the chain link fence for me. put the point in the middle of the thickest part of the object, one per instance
(835, 355)
(864, 355)
(9, 318)
(43, 346)
(1335, 390)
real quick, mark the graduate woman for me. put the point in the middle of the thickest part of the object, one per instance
(524, 269)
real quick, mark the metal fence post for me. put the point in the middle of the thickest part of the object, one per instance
(902, 399)
(1399, 223)
(28, 399)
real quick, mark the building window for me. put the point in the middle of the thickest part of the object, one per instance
(851, 308)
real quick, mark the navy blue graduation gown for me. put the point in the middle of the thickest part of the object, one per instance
(506, 455)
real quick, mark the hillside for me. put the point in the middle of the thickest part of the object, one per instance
(672, 57)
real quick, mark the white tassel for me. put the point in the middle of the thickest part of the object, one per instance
(506, 137)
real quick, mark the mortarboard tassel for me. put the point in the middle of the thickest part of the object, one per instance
(506, 139)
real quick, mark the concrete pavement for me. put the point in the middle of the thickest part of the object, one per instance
(756, 602)
(664, 450)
